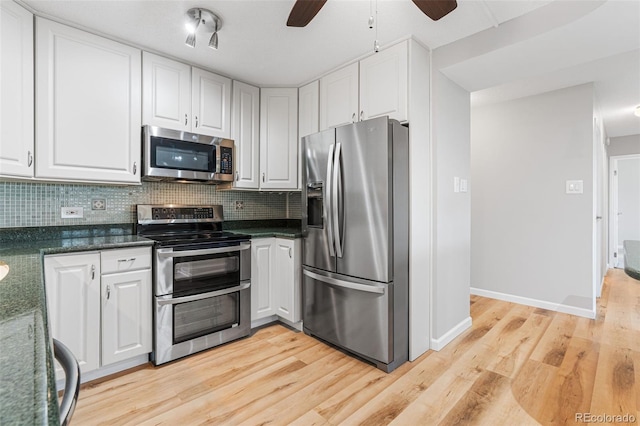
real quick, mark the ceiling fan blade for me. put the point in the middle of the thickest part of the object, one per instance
(436, 9)
(303, 12)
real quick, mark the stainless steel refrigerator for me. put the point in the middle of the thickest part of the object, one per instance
(355, 224)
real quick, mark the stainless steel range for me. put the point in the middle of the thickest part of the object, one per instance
(202, 295)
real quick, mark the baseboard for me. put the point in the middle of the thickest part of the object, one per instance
(550, 306)
(262, 321)
(438, 344)
(107, 370)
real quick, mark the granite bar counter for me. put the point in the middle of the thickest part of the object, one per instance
(27, 381)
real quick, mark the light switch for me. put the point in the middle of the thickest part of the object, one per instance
(574, 187)
(456, 184)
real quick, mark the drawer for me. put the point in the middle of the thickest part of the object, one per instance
(124, 260)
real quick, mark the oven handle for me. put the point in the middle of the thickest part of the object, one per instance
(186, 253)
(171, 301)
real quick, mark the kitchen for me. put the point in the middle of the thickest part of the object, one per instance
(32, 197)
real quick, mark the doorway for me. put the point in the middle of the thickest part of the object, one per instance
(624, 205)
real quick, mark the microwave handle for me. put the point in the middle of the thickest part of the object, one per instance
(186, 253)
(168, 300)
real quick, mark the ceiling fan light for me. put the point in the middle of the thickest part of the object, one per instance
(213, 41)
(191, 40)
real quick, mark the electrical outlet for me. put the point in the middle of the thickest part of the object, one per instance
(71, 212)
(239, 205)
(99, 204)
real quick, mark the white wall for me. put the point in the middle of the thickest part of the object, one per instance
(452, 215)
(530, 241)
(624, 145)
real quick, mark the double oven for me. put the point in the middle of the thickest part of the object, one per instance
(202, 295)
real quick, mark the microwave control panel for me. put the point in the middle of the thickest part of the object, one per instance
(226, 160)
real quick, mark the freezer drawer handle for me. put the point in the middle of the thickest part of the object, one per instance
(168, 300)
(345, 284)
(187, 253)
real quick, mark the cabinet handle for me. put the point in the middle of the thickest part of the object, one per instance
(263, 177)
(196, 121)
(135, 167)
(353, 118)
(289, 252)
(185, 119)
(127, 260)
(30, 158)
(93, 272)
(108, 292)
(237, 176)
(361, 115)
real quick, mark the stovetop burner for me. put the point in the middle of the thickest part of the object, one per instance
(174, 225)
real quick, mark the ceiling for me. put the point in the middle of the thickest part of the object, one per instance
(258, 48)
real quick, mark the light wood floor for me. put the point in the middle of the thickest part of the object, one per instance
(517, 365)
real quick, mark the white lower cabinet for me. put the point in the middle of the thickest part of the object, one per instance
(275, 278)
(102, 318)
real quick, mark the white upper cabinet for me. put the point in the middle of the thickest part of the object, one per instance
(376, 86)
(177, 96)
(279, 138)
(339, 97)
(383, 84)
(245, 131)
(210, 103)
(309, 104)
(16, 81)
(87, 106)
(166, 93)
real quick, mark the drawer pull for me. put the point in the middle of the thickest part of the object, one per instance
(127, 260)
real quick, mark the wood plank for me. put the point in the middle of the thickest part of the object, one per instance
(553, 345)
(615, 382)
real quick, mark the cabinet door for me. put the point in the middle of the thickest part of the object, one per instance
(309, 104)
(245, 131)
(210, 104)
(383, 84)
(262, 292)
(166, 93)
(279, 138)
(126, 315)
(287, 279)
(88, 106)
(16, 81)
(339, 97)
(73, 297)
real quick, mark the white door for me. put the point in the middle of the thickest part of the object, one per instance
(339, 97)
(287, 279)
(16, 83)
(126, 315)
(383, 84)
(210, 104)
(625, 213)
(166, 93)
(262, 291)
(245, 132)
(279, 138)
(88, 108)
(73, 299)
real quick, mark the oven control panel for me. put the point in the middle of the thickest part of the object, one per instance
(160, 213)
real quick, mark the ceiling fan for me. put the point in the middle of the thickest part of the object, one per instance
(304, 11)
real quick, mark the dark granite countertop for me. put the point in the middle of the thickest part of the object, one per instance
(27, 381)
(632, 258)
(282, 228)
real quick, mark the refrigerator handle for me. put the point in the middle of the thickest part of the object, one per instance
(327, 201)
(335, 207)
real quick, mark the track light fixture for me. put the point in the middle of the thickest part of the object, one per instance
(197, 17)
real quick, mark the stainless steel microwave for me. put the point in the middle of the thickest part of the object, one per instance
(172, 155)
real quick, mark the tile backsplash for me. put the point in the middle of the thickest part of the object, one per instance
(39, 204)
